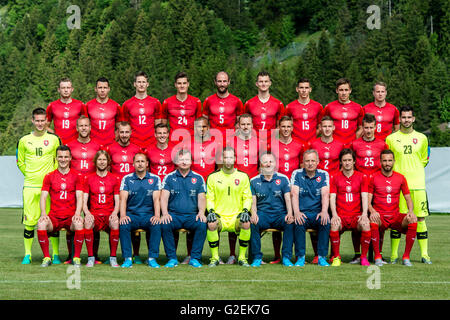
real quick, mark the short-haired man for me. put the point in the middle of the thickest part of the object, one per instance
(271, 207)
(310, 202)
(386, 114)
(347, 114)
(412, 154)
(160, 154)
(65, 112)
(103, 112)
(228, 201)
(183, 205)
(140, 209)
(36, 156)
(142, 111)
(305, 113)
(368, 148)
(385, 187)
(348, 203)
(65, 188)
(264, 108)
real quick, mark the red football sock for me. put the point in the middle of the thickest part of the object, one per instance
(335, 243)
(365, 243)
(43, 241)
(89, 240)
(113, 242)
(78, 242)
(410, 238)
(374, 229)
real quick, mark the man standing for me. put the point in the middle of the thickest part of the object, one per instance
(310, 201)
(101, 207)
(386, 114)
(160, 154)
(65, 188)
(385, 187)
(368, 148)
(349, 205)
(103, 112)
(264, 108)
(140, 209)
(305, 113)
(271, 208)
(347, 114)
(222, 108)
(35, 157)
(183, 205)
(181, 109)
(412, 153)
(228, 201)
(65, 112)
(143, 112)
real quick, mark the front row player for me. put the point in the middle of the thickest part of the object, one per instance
(101, 207)
(384, 195)
(348, 195)
(228, 201)
(65, 188)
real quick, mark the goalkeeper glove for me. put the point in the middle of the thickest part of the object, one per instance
(212, 216)
(244, 216)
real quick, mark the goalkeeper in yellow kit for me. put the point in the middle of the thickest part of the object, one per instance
(228, 202)
(412, 155)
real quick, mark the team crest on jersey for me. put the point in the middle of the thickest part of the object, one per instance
(194, 180)
(278, 181)
(326, 155)
(46, 142)
(415, 141)
(102, 189)
(344, 115)
(319, 178)
(102, 115)
(348, 188)
(379, 118)
(161, 161)
(124, 158)
(84, 155)
(305, 116)
(221, 109)
(245, 152)
(141, 110)
(369, 153)
(150, 181)
(182, 112)
(286, 156)
(63, 186)
(236, 182)
(388, 189)
(66, 114)
(263, 116)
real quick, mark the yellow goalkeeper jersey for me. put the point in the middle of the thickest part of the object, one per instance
(228, 194)
(36, 156)
(412, 154)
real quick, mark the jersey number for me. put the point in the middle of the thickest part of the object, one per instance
(407, 149)
(349, 197)
(39, 152)
(344, 124)
(124, 167)
(63, 195)
(142, 119)
(162, 170)
(305, 125)
(102, 198)
(102, 124)
(368, 162)
(65, 124)
(182, 121)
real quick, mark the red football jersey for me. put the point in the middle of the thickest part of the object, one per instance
(247, 154)
(204, 156)
(265, 115)
(368, 154)
(103, 120)
(83, 155)
(328, 154)
(62, 190)
(101, 192)
(289, 156)
(348, 192)
(181, 114)
(306, 119)
(122, 158)
(141, 114)
(386, 192)
(65, 116)
(387, 117)
(347, 118)
(161, 161)
(222, 112)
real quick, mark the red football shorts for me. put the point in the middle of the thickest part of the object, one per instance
(59, 222)
(349, 222)
(393, 221)
(101, 223)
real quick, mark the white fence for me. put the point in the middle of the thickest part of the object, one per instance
(437, 180)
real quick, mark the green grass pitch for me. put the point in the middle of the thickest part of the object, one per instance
(269, 282)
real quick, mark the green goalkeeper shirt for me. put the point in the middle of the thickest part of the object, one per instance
(36, 156)
(411, 153)
(228, 194)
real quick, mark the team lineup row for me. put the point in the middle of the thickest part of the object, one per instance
(206, 144)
